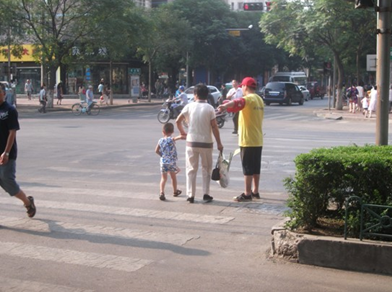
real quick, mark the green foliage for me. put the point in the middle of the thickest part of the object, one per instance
(325, 178)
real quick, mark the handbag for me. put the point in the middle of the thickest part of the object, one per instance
(215, 172)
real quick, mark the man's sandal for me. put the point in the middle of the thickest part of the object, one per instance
(177, 193)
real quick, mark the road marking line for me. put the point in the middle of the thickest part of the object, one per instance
(88, 259)
(8, 284)
(156, 214)
(48, 226)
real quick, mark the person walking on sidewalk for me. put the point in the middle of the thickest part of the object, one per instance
(9, 124)
(166, 149)
(42, 99)
(199, 143)
(234, 93)
(28, 89)
(250, 136)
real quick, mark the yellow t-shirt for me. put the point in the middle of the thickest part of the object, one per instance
(250, 122)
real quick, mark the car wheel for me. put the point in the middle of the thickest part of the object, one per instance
(289, 102)
(322, 97)
(301, 101)
(267, 103)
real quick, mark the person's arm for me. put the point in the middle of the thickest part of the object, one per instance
(215, 132)
(180, 127)
(10, 142)
(158, 150)
(179, 137)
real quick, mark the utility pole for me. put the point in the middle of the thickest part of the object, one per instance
(383, 70)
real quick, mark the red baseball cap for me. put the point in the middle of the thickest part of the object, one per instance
(249, 81)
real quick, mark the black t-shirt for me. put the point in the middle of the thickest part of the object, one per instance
(8, 121)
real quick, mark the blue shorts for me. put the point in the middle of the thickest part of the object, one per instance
(168, 168)
(7, 178)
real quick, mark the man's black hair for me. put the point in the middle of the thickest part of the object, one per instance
(201, 91)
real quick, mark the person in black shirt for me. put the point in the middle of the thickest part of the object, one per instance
(9, 124)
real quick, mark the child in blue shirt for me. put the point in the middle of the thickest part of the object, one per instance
(166, 149)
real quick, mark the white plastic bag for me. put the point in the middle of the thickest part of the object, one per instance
(224, 167)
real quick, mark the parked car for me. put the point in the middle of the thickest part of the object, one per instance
(305, 92)
(282, 93)
(213, 90)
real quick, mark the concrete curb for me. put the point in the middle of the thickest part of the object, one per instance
(331, 252)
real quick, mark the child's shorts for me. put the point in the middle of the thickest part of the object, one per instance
(168, 168)
(7, 178)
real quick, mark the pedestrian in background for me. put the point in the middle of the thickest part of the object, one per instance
(89, 97)
(28, 89)
(390, 98)
(166, 149)
(82, 93)
(250, 136)
(223, 94)
(234, 93)
(59, 92)
(42, 99)
(361, 94)
(352, 94)
(199, 142)
(9, 124)
(373, 100)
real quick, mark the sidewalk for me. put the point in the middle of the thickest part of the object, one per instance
(23, 104)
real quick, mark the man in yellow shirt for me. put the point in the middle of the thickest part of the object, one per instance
(250, 136)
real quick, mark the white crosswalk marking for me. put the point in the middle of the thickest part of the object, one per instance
(168, 215)
(14, 285)
(89, 230)
(88, 259)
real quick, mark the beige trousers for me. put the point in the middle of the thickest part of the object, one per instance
(192, 164)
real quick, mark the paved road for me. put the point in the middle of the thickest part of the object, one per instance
(101, 227)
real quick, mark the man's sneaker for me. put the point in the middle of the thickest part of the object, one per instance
(191, 200)
(31, 208)
(243, 198)
(207, 198)
(162, 197)
(256, 196)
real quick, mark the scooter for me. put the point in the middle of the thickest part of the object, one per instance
(220, 118)
(167, 112)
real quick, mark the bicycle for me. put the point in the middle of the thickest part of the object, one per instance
(81, 107)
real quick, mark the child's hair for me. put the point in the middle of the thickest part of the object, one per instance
(168, 128)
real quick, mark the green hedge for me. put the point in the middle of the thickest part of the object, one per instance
(325, 177)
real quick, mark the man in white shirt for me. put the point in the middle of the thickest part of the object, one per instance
(28, 88)
(183, 98)
(235, 92)
(361, 94)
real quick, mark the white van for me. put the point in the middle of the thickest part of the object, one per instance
(298, 78)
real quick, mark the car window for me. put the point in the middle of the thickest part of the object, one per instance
(212, 90)
(274, 86)
(190, 90)
(291, 88)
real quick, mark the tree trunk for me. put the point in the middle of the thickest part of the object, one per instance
(51, 85)
(339, 105)
(149, 80)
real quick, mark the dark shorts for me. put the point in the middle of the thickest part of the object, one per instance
(251, 160)
(7, 178)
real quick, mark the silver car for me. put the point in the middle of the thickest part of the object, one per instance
(305, 92)
(213, 90)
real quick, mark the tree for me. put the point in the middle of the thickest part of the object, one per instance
(320, 23)
(56, 26)
(164, 36)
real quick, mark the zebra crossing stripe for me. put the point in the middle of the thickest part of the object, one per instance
(156, 214)
(48, 226)
(88, 259)
(7, 284)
